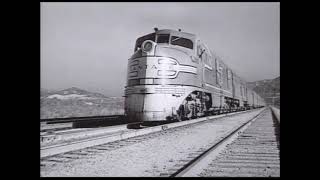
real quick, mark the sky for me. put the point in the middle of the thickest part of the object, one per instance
(87, 45)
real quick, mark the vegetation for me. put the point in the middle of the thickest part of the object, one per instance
(90, 104)
(269, 90)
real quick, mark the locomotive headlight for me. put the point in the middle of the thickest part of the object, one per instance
(147, 46)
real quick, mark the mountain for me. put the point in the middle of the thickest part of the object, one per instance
(69, 92)
(76, 102)
(268, 89)
(45, 92)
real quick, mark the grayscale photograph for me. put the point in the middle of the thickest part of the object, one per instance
(160, 89)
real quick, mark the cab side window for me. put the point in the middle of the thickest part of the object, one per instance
(199, 49)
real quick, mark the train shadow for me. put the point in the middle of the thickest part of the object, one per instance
(100, 123)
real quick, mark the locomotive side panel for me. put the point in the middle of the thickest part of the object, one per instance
(224, 76)
(236, 85)
(258, 99)
(209, 76)
(212, 77)
(254, 99)
(243, 93)
(209, 69)
(249, 97)
(219, 72)
(229, 81)
(256, 102)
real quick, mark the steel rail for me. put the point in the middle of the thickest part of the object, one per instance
(276, 113)
(194, 161)
(77, 119)
(103, 139)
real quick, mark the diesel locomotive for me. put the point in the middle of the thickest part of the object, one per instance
(173, 76)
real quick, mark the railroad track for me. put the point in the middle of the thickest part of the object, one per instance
(123, 136)
(60, 124)
(276, 113)
(79, 119)
(253, 149)
(50, 129)
(63, 136)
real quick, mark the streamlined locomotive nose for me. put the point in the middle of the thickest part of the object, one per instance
(144, 101)
(145, 107)
(154, 90)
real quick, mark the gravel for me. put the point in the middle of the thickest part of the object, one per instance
(254, 153)
(150, 157)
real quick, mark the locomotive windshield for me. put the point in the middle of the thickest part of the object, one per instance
(140, 40)
(180, 41)
(163, 38)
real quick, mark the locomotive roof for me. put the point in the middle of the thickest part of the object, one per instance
(176, 33)
(193, 37)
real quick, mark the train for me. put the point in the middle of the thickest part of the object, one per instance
(173, 76)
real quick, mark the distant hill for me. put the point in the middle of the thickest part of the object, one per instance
(45, 92)
(76, 102)
(268, 89)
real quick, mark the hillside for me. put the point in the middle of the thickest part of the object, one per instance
(75, 102)
(268, 89)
